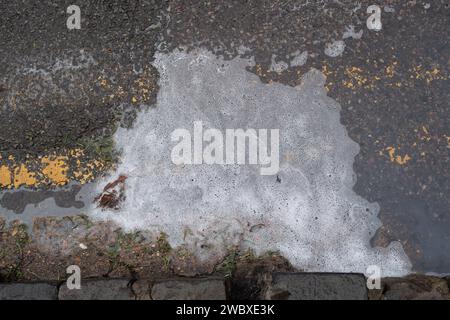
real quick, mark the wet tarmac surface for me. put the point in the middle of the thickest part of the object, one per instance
(392, 85)
(25, 204)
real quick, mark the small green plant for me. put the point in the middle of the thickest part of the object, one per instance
(163, 244)
(84, 220)
(272, 254)
(21, 237)
(113, 254)
(128, 240)
(125, 241)
(166, 262)
(101, 147)
(249, 256)
(14, 272)
(228, 264)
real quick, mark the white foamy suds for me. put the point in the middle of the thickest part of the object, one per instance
(351, 33)
(299, 58)
(335, 48)
(309, 213)
(279, 66)
(389, 9)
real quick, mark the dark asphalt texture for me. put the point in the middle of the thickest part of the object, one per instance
(392, 101)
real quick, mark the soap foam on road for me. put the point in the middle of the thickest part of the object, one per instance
(309, 212)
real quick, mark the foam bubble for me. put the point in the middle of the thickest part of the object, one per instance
(335, 49)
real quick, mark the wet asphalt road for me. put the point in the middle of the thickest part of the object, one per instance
(393, 87)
